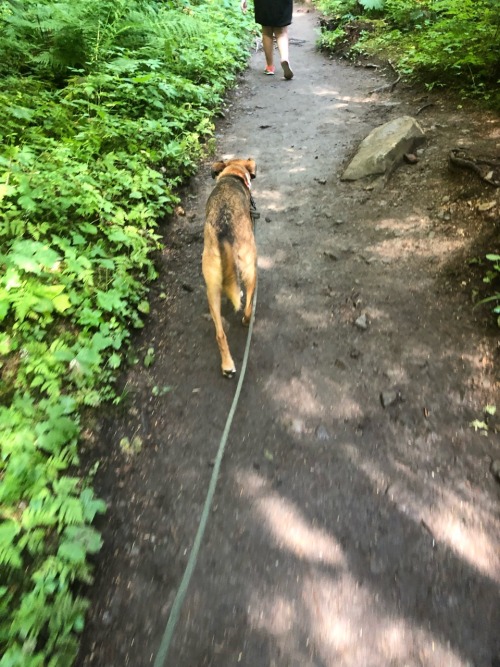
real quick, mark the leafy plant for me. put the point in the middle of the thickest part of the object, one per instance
(491, 278)
(441, 42)
(107, 107)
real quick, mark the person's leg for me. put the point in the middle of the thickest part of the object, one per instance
(268, 45)
(282, 40)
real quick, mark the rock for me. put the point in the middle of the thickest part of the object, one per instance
(322, 433)
(388, 398)
(298, 426)
(384, 147)
(106, 618)
(486, 206)
(362, 322)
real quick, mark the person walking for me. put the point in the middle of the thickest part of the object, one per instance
(274, 16)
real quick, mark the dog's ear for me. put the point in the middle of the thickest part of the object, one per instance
(251, 167)
(217, 167)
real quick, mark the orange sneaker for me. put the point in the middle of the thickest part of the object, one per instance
(269, 70)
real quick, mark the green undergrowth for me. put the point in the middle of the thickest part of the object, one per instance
(441, 43)
(107, 107)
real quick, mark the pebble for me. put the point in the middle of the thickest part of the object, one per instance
(106, 618)
(388, 398)
(322, 433)
(362, 322)
(486, 206)
(298, 426)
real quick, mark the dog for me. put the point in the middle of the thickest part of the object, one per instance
(229, 252)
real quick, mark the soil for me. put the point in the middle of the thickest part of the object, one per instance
(356, 518)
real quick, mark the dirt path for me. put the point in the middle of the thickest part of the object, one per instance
(344, 533)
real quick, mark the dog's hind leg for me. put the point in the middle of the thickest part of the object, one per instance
(230, 283)
(214, 303)
(249, 279)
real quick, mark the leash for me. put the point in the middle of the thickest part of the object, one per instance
(195, 550)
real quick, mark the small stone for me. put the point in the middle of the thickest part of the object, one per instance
(388, 398)
(362, 322)
(411, 158)
(106, 618)
(298, 426)
(486, 206)
(322, 433)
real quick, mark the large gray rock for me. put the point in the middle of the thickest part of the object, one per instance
(384, 147)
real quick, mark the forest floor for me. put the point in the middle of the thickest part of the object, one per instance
(356, 519)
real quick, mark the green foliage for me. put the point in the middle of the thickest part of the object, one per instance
(107, 107)
(492, 278)
(441, 42)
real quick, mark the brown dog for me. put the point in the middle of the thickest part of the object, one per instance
(230, 253)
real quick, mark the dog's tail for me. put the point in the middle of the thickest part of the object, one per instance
(230, 281)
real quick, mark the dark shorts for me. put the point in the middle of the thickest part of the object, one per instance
(274, 13)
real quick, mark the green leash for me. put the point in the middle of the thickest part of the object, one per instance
(193, 556)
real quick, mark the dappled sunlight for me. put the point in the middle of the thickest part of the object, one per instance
(275, 615)
(468, 527)
(349, 623)
(451, 518)
(314, 320)
(287, 526)
(324, 611)
(265, 262)
(297, 170)
(298, 398)
(397, 249)
(272, 200)
(341, 100)
(470, 543)
(407, 224)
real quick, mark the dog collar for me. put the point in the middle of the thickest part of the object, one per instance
(241, 177)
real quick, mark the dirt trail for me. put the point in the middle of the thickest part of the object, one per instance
(344, 533)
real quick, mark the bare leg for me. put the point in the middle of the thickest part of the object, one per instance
(268, 44)
(282, 40)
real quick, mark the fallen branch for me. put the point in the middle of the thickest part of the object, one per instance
(388, 86)
(429, 104)
(456, 160)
